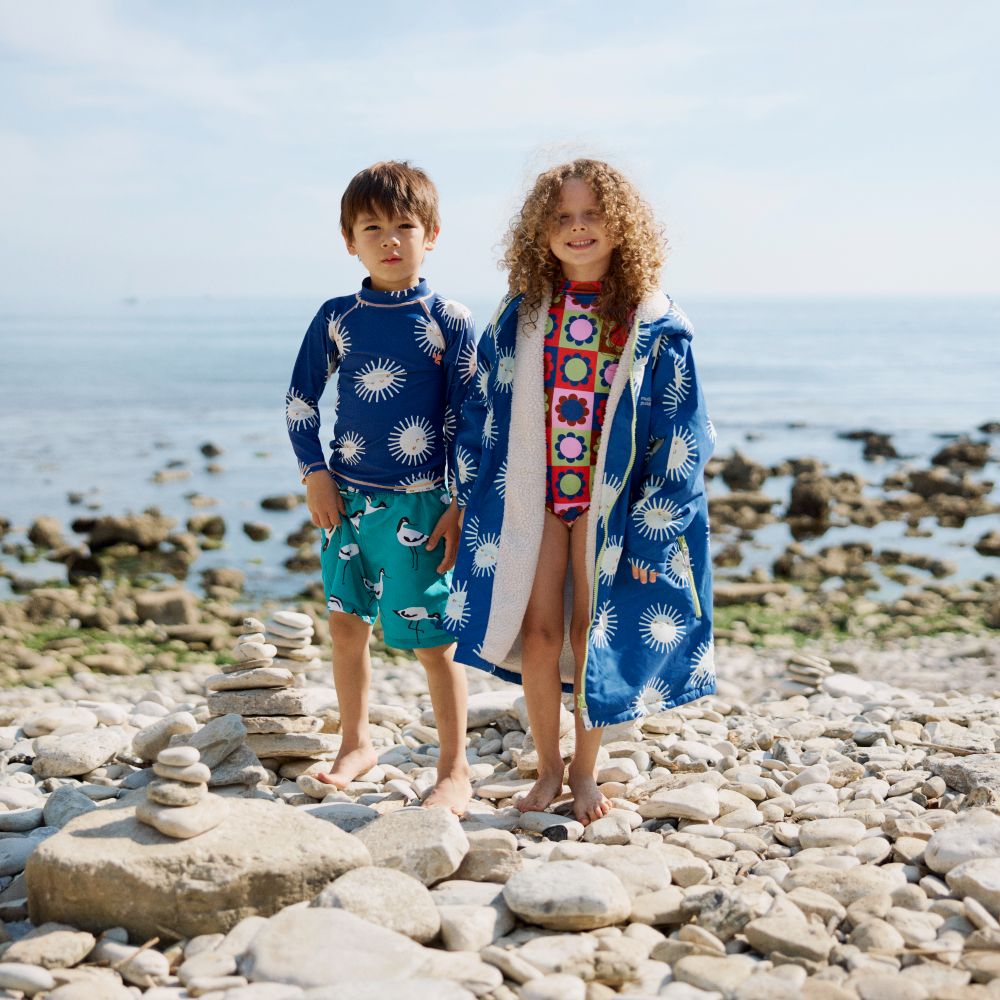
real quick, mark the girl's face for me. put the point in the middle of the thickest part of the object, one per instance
(578, 237)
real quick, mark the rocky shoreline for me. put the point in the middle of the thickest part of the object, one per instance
(817, 829)
(827, 826)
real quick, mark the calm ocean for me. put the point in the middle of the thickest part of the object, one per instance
(96, 400)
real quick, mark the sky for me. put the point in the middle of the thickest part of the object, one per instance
(790, 147)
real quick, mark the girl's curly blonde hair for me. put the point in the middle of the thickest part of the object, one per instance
(640, 245)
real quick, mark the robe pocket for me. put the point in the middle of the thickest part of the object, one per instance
(675, 568)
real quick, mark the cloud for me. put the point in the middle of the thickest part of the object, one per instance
(84, 54)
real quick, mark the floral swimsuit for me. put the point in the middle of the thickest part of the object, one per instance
(582, 351)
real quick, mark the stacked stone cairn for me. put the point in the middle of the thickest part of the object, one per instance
(178, 803)
(262, 687)
(805, 674)
(291, 633)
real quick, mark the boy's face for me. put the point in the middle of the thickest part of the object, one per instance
(391, 249)
(578, 237)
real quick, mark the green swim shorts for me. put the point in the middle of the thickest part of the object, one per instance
(376, 565)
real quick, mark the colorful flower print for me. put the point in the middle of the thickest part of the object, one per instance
(571, 447)
(580, 328)
(550, 327)
(551, 356)
(573, 410)
(608, 369)
(569, 485)
(576, 369)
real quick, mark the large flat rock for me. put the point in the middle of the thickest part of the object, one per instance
(322, 947)
(106, 869)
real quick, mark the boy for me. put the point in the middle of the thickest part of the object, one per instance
(402, 358)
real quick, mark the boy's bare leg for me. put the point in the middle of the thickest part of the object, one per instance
(449, 696)
(589, 802)
(541, 645)
(352, 674)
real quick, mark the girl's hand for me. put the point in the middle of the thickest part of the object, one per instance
(643, 575)
(448, 528)
(326, 505)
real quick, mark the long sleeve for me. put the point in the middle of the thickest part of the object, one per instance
(317, 360)
(459, 365)
(681, 439)
(469, 441)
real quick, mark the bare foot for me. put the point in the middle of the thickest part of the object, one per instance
(348, 766)
(453, 791)
(546, 789)
(589, 802)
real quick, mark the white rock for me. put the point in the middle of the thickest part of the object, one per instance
(555, 987)
(697, 801)
(426, 843)
(567, 895)
(979, 879)
(389, 898)
(64, 717)
(178, 756)
(294, 619)
(148, 742)
(975, 834)
(29, 979)
(75, 753)
(182, 822)
(312, 947)
(831, 832)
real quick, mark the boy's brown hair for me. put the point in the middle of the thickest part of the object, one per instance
(391, 188)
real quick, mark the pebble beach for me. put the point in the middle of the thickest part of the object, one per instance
(826, 826)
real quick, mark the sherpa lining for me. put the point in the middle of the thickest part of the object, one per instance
(524, 507)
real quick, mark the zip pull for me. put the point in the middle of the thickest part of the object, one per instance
(682, 542)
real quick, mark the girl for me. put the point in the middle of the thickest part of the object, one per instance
(581, 455)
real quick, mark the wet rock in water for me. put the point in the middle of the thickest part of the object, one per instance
(810, 498)
(106, 869)
(741, 473)
(46, 533)
(256, 531)
(939, 481)
(989, 544)
(145, 531)
(963, 454)
(286, 501)
(211, 450)
(209, 525)
(224, 576)
(876, 444)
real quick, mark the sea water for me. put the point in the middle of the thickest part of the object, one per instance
(95, 400)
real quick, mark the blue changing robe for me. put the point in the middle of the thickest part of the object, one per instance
(649, 646)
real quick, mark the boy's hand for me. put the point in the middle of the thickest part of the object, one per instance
(643, 575)
(326, 505)
(448, 529)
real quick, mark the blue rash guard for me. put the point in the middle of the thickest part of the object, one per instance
(402, 363)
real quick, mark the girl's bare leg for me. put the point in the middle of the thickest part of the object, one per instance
(449, 696)
(542, 642)
(352, 675)
(589, 802)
